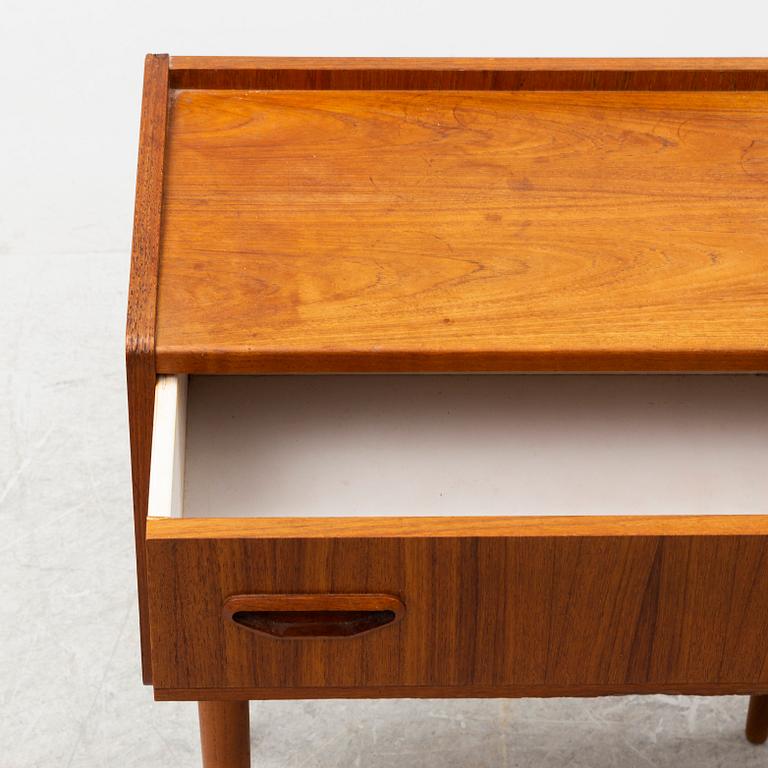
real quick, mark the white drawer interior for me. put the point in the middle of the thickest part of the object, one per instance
(423, 445)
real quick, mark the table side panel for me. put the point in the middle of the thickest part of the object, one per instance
(141, 314)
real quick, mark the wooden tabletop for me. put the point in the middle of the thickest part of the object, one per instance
(394, 230)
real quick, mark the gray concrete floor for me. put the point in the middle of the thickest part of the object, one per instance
(70, 690)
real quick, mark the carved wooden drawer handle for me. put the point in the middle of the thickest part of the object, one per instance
(313, 616)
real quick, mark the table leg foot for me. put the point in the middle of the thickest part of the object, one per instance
(225, 736)
(757, 719)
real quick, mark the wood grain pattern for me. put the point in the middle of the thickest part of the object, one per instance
(495, 613)
(438, 215)
(225, 736)
(439, 527)
(469, 74)
(442, 231)
(142, 297)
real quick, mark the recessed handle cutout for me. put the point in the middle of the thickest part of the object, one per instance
(313, 616)
(313, 623)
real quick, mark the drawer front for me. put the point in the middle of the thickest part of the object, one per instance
(504, 608)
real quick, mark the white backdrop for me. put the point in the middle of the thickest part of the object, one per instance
(71, 75)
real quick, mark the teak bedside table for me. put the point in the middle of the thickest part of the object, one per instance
(449, 535)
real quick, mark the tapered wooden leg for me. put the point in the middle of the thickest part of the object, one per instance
(757, 719)
(225, 734)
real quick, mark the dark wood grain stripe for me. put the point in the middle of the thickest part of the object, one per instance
(470, 74)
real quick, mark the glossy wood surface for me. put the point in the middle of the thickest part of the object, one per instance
(481, 231)
(498, 613)
(225, 737)
(142, 297)
(557, 272)
(439, 527)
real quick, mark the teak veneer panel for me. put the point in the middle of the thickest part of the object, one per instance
(447, 527)
(140, 326)
(455, 230)
(492, 214)
(495, 613)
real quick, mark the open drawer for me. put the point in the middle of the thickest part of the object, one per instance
(458, 535)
